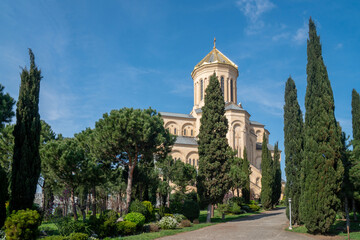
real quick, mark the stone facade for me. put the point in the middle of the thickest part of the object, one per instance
(243, 132)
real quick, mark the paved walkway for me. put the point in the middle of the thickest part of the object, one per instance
(267, 225)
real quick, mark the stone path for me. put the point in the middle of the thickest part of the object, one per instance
(267, 225)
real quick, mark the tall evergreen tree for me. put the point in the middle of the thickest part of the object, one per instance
(237, 175)
(294, 144)
(354, 172)
(214, 152)
(355, 112)
(26, 163)
(267, 178)
(6, 113)
(247, 171)
(322, 167)
(277, 175)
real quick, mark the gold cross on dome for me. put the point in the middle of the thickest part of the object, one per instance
(214, 42)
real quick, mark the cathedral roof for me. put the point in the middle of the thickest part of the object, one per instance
(215, 56)
(186, 140)
(269, 146)
(181, 115)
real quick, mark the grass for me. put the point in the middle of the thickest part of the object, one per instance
(202, 218)
(51, 229)
(337, 229)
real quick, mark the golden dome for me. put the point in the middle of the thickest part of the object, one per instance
(215, 56)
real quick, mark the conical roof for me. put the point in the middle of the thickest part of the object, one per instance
(215, 56)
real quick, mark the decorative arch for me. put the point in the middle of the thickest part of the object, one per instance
(187, 127)
(192, 158)
(172, 125)
(177, 155)
(222, 85)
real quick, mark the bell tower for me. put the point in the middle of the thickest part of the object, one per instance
(226, 71)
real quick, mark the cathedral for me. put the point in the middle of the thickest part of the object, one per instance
(243, 132)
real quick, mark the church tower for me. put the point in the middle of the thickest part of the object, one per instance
(226, 71)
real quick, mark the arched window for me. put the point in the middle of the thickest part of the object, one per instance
(201, 89)
(184, 132)
(174, 131)
(194, 162)
(222, 84)
(192, 132)
(231, 91)
(190, 161)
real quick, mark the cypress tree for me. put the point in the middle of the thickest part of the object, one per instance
(294, 144)
(267, 179)
(26, 159)
(277, 175)
(214, 152)
(247, 171)
(355, 112)
(322, 167)
(6, 113)
(354, 172)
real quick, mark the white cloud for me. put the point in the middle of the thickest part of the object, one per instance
(339, 46)
(253, 10)
(280, 36)
(269, 97)
(301, 34)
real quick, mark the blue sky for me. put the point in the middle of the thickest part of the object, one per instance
(96, 56)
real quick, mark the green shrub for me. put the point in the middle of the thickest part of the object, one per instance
(185, 223)
(136, 218)
(137, 207)
(246, 208)
(163, 210)
(66, 226)
(179, 217)
(254, 207)
(176, 206)
(235, 209)
(191, 210)
(23, 224)
(150, 211)
(57, 237)
(108, 214)
(78, 236)
(168, 215)
(167, 223)
(223, 208)
(126, 228)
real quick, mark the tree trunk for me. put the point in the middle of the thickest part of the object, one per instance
(354, 209)
(129, 186)
(208, 217)
(212, 210)
(347, 217)
(93, 205)
(74, 204)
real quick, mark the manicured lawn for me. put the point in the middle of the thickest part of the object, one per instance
(216, 219)
(49, 227)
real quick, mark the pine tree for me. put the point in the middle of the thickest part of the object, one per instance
(277, 175)
(214, 152)
(322, 167)
(294, 144)
(247, 170)
(267, 179)
(26, 163)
